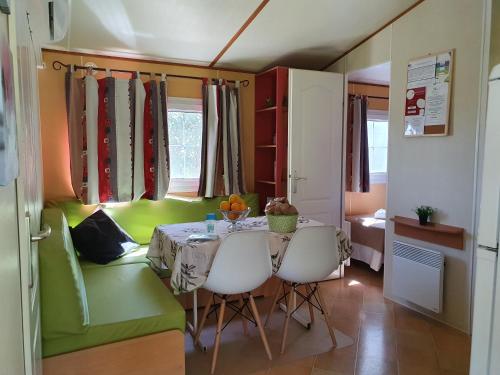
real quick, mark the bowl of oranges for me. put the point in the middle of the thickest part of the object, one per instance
(234, 211)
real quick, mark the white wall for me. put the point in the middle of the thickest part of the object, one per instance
(436, 171)
(375, 51)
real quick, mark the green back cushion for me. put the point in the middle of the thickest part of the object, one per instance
(139, 218)
(63, 297)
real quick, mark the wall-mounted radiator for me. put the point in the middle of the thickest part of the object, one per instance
(417, 275)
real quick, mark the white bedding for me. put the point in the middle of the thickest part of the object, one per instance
(368, 255)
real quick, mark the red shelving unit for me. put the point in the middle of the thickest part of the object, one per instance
(271, 136)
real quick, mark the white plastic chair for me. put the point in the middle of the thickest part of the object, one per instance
(311, 256)
(242, 263)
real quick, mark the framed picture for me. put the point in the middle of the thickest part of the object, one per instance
(428, 95)
(9, 163)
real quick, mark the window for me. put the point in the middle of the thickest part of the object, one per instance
(184, 133)
(378, 134)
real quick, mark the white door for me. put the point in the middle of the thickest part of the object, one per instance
(29, 183)
(315, 140)
(486, 316)
(11, 317)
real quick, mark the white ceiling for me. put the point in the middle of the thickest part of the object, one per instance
(192, 31)
(298, 33)
(378, 75)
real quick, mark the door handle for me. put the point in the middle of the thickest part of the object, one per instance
(44, 233)
(294, 179)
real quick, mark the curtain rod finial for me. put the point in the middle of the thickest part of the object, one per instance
(57, 65)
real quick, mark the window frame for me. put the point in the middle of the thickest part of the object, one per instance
(374, 115)
(181, 104)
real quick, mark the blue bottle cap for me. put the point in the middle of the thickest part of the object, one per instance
(211, 216)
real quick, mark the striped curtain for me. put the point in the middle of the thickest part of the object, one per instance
(112, 146)
(156, 153)
(81, 110)
(358, 163)
(221, 160)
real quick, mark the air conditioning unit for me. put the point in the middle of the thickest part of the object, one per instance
(49, 20)
(58, 19)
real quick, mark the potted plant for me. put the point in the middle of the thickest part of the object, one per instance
(424, 213)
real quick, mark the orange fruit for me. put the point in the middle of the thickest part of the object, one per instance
(235, 207)
(243, 206)
(233, 216)
(225, 205)
(234, 198)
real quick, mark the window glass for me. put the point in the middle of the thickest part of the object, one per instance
(378, 132)
(184, 132)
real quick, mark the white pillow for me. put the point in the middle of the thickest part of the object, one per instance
(380, 214)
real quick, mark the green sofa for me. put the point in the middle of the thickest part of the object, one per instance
(85, 305)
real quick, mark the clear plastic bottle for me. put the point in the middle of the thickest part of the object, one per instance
(210, 221)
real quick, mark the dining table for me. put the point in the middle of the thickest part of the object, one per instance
(189, 261)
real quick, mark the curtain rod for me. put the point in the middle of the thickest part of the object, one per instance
(58, 65)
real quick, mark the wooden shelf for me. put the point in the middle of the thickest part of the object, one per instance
(274, 108)
(445, 235)
(271, 133)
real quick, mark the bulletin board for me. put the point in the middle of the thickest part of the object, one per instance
(428, 95)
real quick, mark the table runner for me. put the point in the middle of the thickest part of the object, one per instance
(190, 262)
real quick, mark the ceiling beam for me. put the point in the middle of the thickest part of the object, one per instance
(374, 33)
(239, 32)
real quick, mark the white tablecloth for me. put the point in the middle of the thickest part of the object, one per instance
(190, 262)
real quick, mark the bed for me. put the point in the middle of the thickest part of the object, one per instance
(368, 239)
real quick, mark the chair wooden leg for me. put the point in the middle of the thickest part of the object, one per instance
(217, 335)
(273, 305)
(311, 308)
(289, 308)
(208, 305)
(327, 316)
(243, 320)
(259, 325)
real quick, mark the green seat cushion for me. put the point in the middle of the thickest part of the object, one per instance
(125, 301)
(63, 295)
(139, 218)
(138, 255)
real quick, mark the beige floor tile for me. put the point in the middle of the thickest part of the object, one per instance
(368, 365)
(339, 360)
(377, 307)
(418, 370)
(379, 320)
(289, 370)
(388, 338)
(377, 342)
(416, 348)
(318, 371)
(453, 347)
(450, 372)
(410, 320)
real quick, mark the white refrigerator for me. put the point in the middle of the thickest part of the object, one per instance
(485, 355)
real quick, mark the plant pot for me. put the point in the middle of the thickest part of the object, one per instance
(423, 219)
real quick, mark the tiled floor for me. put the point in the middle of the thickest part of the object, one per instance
(389, 339)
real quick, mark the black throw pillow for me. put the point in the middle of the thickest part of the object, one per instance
(100, 239)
